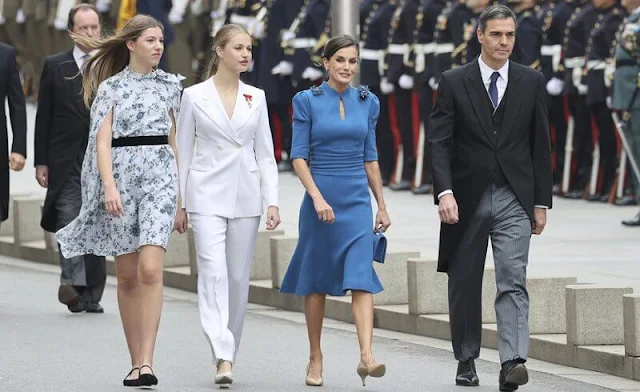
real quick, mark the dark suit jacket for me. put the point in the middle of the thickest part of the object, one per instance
(11, 89)
(465, 152)
(62, 126)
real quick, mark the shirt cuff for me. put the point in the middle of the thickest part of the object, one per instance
(545, 207)
(447, 192)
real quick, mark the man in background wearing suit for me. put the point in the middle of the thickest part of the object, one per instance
(11, 90)
(491, 160)
(61, 134)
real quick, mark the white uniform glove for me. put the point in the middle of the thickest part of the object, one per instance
(582, 89)
(433, 83)
(609, 71)
(406, 82)
(20, 18)
(60, 24)
(215, 14)
(288, 35)
(608, 101)
(385, 87)
(103, 6)
(175, 18)
(312, 74)
(256, 29)
(283, 68)
(555, 86)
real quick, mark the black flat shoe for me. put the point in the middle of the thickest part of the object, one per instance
(512, 375)
(132, 382)
(467, 375)
(423, 189)
(403, 185)
(148, 380)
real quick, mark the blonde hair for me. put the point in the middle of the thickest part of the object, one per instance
(221, 39)
(113, 54)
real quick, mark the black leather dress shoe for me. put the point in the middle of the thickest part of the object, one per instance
(512, 375)
(423, 189)
(633, 222)
(403, 185)
(467, 375)
(93, 307)
(601, 197)
(626, 201)
(67, 295)
(575, 194)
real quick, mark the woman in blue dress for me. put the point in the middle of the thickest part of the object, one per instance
(334, 155)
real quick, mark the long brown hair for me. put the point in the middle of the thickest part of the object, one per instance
(221, 39)
(113, 54)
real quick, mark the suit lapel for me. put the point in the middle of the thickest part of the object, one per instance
(71, 74)
(479, 98)
(513, 100)
(211, 104)
(246, 104)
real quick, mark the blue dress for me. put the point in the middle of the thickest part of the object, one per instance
(334, 258)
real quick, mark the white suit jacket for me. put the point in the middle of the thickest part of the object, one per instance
(226, 166)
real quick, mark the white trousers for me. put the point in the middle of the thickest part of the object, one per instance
(225, 250)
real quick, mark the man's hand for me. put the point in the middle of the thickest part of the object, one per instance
(42, 175)
(539, 220)
(448, 209)
(16, 161)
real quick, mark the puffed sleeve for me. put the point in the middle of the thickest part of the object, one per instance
(301, 126)
(370, 148)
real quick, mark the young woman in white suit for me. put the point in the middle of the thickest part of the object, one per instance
(224, 181)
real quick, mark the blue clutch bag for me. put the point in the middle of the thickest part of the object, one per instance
(379, 246)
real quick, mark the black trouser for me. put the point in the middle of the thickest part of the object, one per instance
(384, 137)
(281, 111)
(607, 143)
(582, 140)
(404, 118)
(559, 122)
(87, 273)
(426, 104)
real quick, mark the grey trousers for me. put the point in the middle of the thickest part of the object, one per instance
(88, 273)
(632, 133)
(501, 217)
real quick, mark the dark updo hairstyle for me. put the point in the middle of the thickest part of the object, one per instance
(337, 43)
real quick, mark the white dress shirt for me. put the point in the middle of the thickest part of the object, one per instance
(79, 56)
(501, 84)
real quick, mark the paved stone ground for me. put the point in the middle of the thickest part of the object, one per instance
(45, 348)
(581, 239)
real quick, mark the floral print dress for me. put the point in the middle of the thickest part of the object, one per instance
(146, 176)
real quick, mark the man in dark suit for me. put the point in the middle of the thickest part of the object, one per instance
(11, 89)
(61, 134)
(491, 159)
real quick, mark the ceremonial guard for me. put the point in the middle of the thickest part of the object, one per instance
(398, 72)
(442, 36)
(303, 42)
(243, 13)
(11, 30)
(375, 18)
(598, 51)
(579, 134)
(469, 47)
(202, 31)
(625, 97)
(279, 15)
(179, 53)
(424, 48)
(554, 19)
(526, 50)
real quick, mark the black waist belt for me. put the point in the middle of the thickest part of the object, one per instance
(626, 63)
(139, 141)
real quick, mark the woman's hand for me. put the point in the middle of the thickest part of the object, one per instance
(112, 202)
(324, 211)
(382, 221)
(182, 221)
(273, 217)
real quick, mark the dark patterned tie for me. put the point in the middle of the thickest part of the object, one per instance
(493, 89)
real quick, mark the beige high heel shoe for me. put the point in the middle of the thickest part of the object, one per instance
(313, 382)
(374, 370)
(223, 380)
